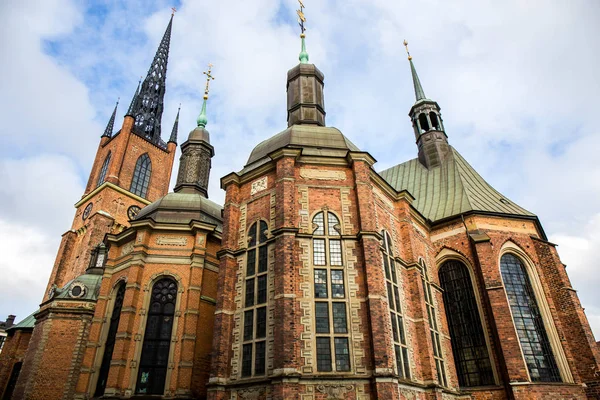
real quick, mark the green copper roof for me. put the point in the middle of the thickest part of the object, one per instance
(27, 323)
(450, 189)
(202, 120)
(419, 92)
(303, 54)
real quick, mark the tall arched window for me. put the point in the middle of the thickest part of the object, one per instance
(141, 176)
(470, 350)
(103, 170)
(157, 338)
(331, 321)
(110, 340)
(528, 321)
(395, 305)
(254, 349)
(433, 326)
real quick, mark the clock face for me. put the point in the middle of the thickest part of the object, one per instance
(133, 211)
(87, 211)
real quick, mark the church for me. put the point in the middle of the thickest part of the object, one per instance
(319, 278)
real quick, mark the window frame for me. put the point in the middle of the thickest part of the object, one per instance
(141, 183)
(332, 265)
(104, 170)
(258, 245)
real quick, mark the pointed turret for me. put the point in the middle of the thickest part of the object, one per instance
(427, 124)
(149, 104)
(111, 123)
(133, 99)
(196, 153)
(173, 137)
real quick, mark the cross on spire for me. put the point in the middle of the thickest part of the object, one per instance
(301, 18)
(209, 77)
(407, 52)
(173, 11)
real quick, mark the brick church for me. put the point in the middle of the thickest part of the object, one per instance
(320, 278)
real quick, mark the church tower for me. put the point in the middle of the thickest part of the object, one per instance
(131, 169)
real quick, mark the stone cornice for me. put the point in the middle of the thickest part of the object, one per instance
(361, 156)
(114, 187)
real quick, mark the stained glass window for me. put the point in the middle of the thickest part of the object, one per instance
(395, 306)
(103, 170)
(157, 338)
(255, 298)
(528, 321)
(141, 176)
(471, 358)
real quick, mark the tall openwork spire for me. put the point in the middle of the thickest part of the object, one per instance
(111, 122)
(419, 92)
(149, 103)
(173, 137)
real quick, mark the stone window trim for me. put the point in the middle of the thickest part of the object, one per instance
(103, 170)
(542, 302)
(327, 228)
(254, 272)
(143, 315)
(432, 317)
(396, 307)
(451, 255)
(110, 303)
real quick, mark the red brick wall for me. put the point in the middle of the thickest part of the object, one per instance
(13, 351)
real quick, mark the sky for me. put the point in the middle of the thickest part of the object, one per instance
(517, 82)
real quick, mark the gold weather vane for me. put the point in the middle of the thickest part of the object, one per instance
(208, 79)
(407, 52)
(301, 18)
(173, 11)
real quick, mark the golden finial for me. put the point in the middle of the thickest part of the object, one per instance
(173, 11)
(301, 18)
(208, 78)
(407, 52)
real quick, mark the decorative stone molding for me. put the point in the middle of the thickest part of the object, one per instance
(77, 290)
(171, 241)
(346, 214)
(242, 243)
(258, 185)
(408, 394)
(335, 392)
(250, 393)
(322, 174)
(127, 248)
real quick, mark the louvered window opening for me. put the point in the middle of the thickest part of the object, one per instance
(471, 357)
(141, 176)
(255, 302)
(433, 326)
(528, 321)
(395, 307)
(331, 316)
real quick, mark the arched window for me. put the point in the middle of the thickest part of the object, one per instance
(141, 176)
(528, 321)
(433, 325)
(395, 305)
(434, 121)
(110, 340)
(423, 122)
(157, 338)
(470, 350)
(254, 349)
(331, 321)
(103, 170)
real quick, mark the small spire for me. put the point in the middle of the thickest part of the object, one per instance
(111, 122)
(419, 92)
(131, 105)
(303, 57)
(202, 120)
(173, 137)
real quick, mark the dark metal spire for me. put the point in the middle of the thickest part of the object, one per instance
(173, 137)
(111, 122)
(149, 106)
(135, 96)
